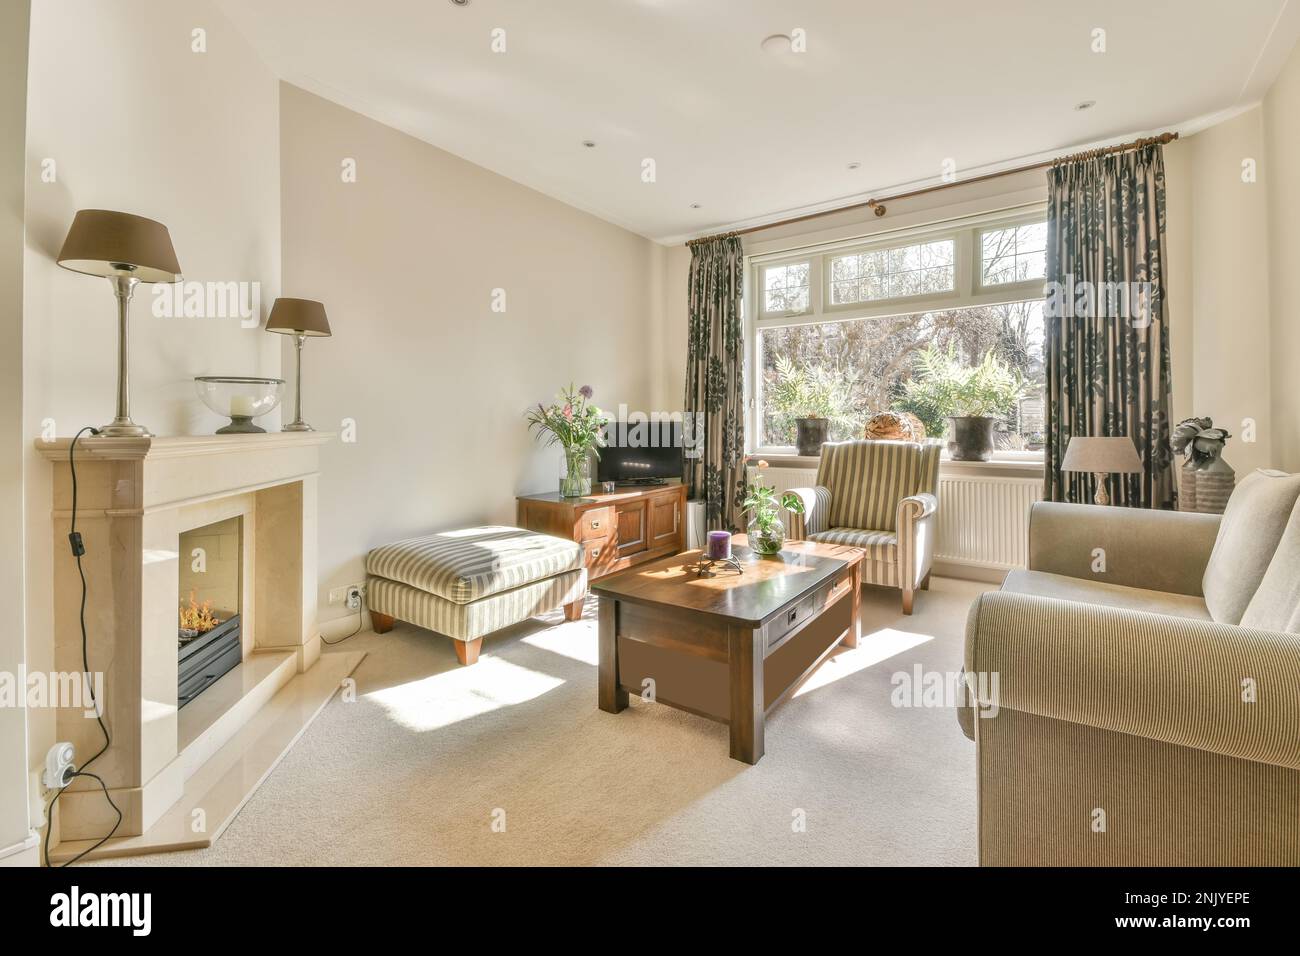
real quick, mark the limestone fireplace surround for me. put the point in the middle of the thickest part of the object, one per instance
(179, 777)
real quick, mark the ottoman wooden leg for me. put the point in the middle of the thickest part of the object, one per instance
(381, 623)
(467, 651)
(573, 610)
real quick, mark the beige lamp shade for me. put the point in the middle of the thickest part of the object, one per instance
(1101, 456)
(298, 317)
(101, 242)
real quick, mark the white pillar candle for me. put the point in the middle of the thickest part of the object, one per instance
(241, 405)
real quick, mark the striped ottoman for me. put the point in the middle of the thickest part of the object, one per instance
(469, 583)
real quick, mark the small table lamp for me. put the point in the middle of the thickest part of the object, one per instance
(126, 250)
(299, 318)
(1102, 457)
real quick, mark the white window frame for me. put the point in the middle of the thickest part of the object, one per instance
(814, 285)
(968, 292)
(1029, 287)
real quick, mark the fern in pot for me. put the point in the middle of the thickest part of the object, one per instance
(972, 397)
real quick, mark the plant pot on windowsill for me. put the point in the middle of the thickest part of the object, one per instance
(811, 434)
(972, 438)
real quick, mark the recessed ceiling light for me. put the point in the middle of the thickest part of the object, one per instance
(695, 205)
(855, 165)
(460, 3)
(777, 43)
(589, 143)
(1085, 105)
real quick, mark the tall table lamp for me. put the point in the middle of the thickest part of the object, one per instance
(1102, 457)
(299, 318)
(126, 250)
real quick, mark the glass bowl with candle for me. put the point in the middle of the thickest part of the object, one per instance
(241, 398)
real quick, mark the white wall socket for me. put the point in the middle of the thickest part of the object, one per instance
(59, 766)
(339, 595)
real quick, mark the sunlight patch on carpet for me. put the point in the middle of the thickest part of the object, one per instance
(455, 695)
(872, 648)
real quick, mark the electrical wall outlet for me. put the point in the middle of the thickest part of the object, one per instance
(354, 594)
(59, 766)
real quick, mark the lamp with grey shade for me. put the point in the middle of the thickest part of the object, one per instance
(299, 318)
(126, 250)
(1102, 457)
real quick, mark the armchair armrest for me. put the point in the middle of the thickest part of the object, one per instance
(1183, 682)
(916, 507)
(1156, 550)
(816, 508)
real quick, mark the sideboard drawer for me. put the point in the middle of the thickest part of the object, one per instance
(595, 523)
(599, 555)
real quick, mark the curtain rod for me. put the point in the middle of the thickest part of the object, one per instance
(878, 205)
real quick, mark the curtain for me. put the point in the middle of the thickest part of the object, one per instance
(1107, 334)
(714, 405)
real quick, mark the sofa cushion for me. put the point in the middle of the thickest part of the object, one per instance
(1085, 591)
(467, 565)
(1253, 522)
(879, 545)
(1276, 603)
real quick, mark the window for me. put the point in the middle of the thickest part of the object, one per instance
(851, 370)
(919, 269)
(785, 289)
(1013, 254)
(854, 329)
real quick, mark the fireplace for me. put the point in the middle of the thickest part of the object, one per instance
(208, 627)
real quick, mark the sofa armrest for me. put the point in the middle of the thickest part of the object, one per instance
(1144, 548)
(917, 531)
(1220, 688)
(816, 510)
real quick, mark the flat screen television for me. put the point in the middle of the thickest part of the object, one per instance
(641, 452)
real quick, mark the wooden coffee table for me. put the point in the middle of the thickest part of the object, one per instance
(730, 647)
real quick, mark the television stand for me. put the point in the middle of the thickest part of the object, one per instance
(617, 530)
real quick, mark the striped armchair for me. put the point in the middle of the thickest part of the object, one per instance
(880, 496)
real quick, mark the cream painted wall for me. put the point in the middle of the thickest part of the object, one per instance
(133, 120)
(406, 260)
(1282, 158)
(1219, 224)
(14, 825)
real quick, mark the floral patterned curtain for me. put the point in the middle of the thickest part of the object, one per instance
(1107, 331)
(715, 381)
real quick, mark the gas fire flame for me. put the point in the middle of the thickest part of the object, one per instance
(198, 617)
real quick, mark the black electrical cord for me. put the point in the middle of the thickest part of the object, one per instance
(360, 608)
(78, 549)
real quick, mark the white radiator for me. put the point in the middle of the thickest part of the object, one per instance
(983, 522)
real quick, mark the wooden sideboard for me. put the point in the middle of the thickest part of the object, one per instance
(617, 530)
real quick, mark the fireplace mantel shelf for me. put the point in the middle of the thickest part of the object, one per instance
(176, 446)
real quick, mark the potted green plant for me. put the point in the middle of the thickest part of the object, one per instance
(762, 504)
(972, 397)
(809, 396)
(577, 426)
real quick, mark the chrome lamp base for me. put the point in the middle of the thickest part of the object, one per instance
(297, 427)
(119, 428)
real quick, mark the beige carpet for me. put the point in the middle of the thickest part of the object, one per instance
(417, 769)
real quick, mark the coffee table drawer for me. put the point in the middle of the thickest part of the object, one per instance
(794, 616)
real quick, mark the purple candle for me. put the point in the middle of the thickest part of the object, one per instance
(719, 545)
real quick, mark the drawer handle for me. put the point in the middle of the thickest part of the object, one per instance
(792, 615)
(595, 525)
(595, 552)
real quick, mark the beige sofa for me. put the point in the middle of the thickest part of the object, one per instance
(1146, 706)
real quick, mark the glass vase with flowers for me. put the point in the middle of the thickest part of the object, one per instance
(577, 426)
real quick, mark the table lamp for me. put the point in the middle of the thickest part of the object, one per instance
(1102, 457)
(126, 250)
(299, 318)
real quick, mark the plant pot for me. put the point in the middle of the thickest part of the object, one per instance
(811, 434)
(765, 538)
(972, 438)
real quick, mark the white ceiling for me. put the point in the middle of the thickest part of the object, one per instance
(897, 87)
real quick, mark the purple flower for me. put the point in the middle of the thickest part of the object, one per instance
(586, 391)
